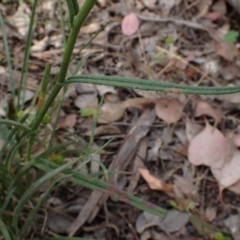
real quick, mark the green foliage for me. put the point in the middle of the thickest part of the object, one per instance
(87, 112)
(220, 236)
(169, 40)
(231, 36)
(18, 187)
(46, 119)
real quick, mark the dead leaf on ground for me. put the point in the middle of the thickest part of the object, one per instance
(70, 121)
(138, 163)
(226, 50)
(119, 164)
(228, 174)
(103, 130)
(155, 183)
(210, 213)
(235, 187)
(102, 90)
(192, 129)
(169, 109)
(233, 223)
(20, 20)
(146, 220)
(130, 24)
(236, 137)
(208, 148)
(187, 188)
(167, 5)
(58, 223)
(90, 28)
(138, 102)
(153, 153)
(204, 108)
(174, 221)
(87, 95)
(111, 112)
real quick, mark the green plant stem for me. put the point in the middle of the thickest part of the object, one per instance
(8, 55)
(44, 83)
(150, 85)
(14, 123)
(27, 51)
(97, 184)
(78, 21)
(11, 134)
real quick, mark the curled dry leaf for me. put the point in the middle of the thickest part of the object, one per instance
(154, 182)
(130, 24)
(209, 148)
(169, 109)
(204, 108)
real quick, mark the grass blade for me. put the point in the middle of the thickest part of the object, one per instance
(34, 187)
(4, 230)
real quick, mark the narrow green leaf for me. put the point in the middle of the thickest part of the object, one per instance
(4, 230)
(33, 188)
(150, 85)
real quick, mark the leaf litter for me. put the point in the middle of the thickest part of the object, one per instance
(169, 41)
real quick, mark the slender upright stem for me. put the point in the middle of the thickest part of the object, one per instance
(78, 21)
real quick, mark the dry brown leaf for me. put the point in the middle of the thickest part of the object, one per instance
(58, 223)
(192, 129)
(20, 20)
(130, 24)
(111, 112)
(153, 153)
(174, 221)
(204, 108)
(210, 213)
(70, 121)
(226, 50)
(169, 109)
(139, 102)
(220, 6)
(236, 137)
(235, 188)
(146, 220)
(228, 174)
(90, 28)
(167, 5)
(154, 182)
(103, 130)
(186, 187)
(137, 163)
(119, 164)
(209, 148)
